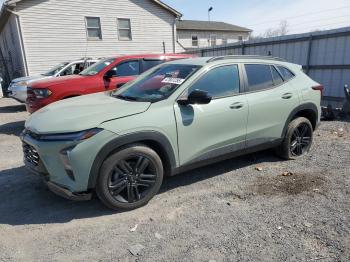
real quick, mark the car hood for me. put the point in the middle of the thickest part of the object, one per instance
(82, 113)
(44, 83)
(29, 79)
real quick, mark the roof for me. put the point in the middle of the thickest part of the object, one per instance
(209, 26)
(165, 6)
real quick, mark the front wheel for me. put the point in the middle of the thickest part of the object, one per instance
(130, 177)
(298, 139)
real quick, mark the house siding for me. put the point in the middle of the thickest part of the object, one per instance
(184, 37)
(54, 30)
(11, 50)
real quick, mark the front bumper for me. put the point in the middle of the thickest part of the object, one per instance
(18, 92)
(45, 159)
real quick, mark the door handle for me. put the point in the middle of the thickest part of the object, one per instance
(287, 96)
(236, 105)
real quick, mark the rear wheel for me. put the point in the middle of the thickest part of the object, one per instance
(298, 139)
(130, 177)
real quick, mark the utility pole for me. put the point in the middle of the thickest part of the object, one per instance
(209, 10)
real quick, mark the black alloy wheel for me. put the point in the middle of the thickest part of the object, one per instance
(301, 139)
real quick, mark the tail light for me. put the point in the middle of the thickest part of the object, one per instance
(318, 88)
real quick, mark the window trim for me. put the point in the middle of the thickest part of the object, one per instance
(99, 28)
(184, 93)
(194, 40)
(118, 28)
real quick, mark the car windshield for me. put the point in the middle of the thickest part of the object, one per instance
(96, 68)
(156, 84)
(53, 71)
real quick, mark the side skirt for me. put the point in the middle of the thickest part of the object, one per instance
(219, 156)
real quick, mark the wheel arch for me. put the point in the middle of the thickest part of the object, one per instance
(155, 140)
(307, 110)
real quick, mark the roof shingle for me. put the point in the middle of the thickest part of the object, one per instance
(209, 26)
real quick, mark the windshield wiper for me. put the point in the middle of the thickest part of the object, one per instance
(128, 98)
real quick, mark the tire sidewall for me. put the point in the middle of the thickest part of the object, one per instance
(291, 128)
(108, 165)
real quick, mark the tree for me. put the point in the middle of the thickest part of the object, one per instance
(281, 30)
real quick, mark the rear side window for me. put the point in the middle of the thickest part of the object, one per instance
(219, 82)
(259, 77)
(148, 64)
(286, 73)
(277, 79)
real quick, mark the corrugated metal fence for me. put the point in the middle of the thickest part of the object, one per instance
(325, 56)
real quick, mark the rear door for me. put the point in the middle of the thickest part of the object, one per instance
(123, 73)
(271, 99)
(217, 128)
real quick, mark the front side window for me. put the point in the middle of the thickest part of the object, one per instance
(124, 29)
(53, 71)
(286, 73)
(259, 77)
(157, 84)
(129, 68)
(194, 40)
(219, 82)
(97, 67)
(93, 28)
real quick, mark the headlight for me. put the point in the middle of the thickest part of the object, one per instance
(42, 93)
(76, 136)
(22, 83)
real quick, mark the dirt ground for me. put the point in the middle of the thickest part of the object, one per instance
(229, 211)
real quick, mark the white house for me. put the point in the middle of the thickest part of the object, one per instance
(193, 34)
(37, 34)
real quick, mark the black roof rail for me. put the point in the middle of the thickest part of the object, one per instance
(217, 58)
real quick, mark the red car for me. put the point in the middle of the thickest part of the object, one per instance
(108, 74)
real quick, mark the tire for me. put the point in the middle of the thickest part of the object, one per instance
(126, 170)
(303, 143)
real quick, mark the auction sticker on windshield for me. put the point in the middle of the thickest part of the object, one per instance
(172, 80)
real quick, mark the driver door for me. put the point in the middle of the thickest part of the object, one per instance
(121, 74)
(217, 128)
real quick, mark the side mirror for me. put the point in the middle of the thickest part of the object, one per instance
(110, 74)
(198, 97)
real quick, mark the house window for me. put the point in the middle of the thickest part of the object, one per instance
(93, 28)
(194, 40)
(240, 38)
(224, 41)
(213, 40)
(124, 29)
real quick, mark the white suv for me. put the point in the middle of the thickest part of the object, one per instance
(18, 86)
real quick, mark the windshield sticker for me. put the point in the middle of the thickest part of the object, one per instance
(172, 80)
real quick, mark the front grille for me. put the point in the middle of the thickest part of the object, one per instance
(30, 154)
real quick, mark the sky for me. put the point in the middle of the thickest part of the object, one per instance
(260, 15)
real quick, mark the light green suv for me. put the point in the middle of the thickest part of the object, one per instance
(174, 117)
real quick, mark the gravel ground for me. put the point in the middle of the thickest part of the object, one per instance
(229, 211)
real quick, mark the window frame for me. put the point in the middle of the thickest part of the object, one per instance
(194, 40)
(99, 38)
(185, 94)
(120, 38)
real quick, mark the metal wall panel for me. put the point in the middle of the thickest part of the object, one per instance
(329, 58)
